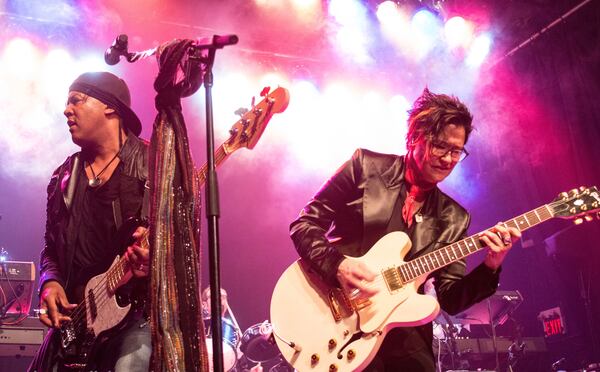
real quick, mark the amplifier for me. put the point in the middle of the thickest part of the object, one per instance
(22, 339)
(16, 288)
(486, 345)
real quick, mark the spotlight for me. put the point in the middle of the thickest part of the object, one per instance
(479, 50)
(458, 32)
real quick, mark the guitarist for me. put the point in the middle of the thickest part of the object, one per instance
(90, 196)
(373, 194)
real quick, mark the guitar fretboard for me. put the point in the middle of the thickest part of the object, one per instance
(220, 156)
(444, 256)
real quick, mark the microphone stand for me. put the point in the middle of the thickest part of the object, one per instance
(494, 341)
(212, 198)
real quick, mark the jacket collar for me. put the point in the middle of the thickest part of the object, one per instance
(71, 173)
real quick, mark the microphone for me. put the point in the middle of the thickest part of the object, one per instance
(217, 42)
(220, 41)
(113, 54)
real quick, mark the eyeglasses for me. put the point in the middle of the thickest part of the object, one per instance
(441, 149)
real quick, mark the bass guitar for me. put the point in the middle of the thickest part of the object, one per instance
(99, 311)
(321, 328)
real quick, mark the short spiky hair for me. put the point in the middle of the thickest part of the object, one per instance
(431, 113)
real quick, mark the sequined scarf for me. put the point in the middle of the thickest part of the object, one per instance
(178, 342)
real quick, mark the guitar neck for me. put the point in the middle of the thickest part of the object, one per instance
(116, 274)
(445, 256)
(220, 155)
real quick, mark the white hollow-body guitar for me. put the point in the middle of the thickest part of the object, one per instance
(321, 328)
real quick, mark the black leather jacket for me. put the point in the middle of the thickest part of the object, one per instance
(352, 210)
(57, 256)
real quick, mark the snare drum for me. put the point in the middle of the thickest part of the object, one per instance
(257, 344)
(230, 342)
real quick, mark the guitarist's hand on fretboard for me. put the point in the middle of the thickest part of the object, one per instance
(499, 240)
(53, 301)
(138, 254)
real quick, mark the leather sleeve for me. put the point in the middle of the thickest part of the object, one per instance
(309, 230)
(49, 267)
(457, 291)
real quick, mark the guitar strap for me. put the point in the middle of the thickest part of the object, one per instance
(145, 213)
(116, 206)
(144, 210)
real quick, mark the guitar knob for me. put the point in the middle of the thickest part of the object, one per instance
(332, 344)
(351, 354)
(584, 207)
(333, 368)
(314, 359)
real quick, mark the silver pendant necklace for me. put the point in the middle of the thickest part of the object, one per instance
(95, 181)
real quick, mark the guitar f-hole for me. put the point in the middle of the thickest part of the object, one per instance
(358, 335)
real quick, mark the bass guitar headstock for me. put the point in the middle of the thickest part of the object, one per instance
(247, 131)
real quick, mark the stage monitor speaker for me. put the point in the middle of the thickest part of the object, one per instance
(19, 343)
(17, 282)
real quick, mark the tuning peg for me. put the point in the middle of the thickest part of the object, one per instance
(241, 111)
(265, 91)
(582, 188)
(578, 221)
(563, 195)
(573, 193)
(588, 218)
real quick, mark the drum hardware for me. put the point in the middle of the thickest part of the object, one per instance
(258, 344)
(230, 331)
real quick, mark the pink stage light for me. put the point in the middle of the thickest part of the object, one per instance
(388, 13)
(58, 70)
(21, 59)
(479, 50)
(353, 29)
(425, 33)
(458, 32)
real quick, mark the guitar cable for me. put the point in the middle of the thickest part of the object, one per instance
(291, 344)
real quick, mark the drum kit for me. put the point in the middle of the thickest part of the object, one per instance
(253, 350)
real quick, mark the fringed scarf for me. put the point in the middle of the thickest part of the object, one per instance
(177, 330)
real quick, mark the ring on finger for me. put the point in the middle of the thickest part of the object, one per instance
(42, 311)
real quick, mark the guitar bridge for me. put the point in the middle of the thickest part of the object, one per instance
(339, 304)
